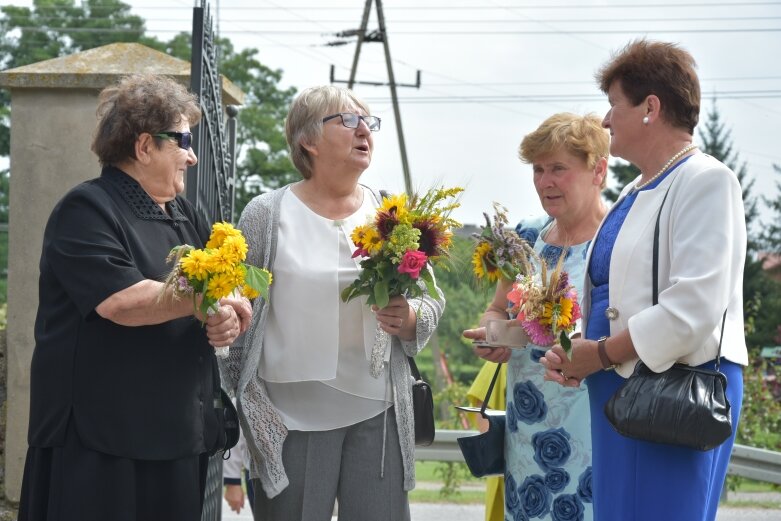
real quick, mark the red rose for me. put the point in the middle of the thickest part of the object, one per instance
(412, 263)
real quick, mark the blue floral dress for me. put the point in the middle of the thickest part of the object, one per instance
(548, 436)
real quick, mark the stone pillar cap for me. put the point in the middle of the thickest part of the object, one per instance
(103, 66)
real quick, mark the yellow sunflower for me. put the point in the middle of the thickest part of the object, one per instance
(196, 264)
(482, 263)
(234, 249)
(220, 232)
(220, 285)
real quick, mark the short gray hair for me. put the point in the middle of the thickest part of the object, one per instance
(304, 122)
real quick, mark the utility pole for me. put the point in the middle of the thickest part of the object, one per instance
(380, 35)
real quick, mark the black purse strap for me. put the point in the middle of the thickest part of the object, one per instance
(490, 389)
(414, 368)
(656, 276)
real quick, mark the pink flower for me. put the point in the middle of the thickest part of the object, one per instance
(412, 263)
(360, 252)
(538, 334)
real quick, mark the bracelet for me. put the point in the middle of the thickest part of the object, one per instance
(607, 365)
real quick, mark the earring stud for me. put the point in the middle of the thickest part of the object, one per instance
(645, 120)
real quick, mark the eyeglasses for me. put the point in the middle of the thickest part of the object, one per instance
(351, 120)
(183, 139)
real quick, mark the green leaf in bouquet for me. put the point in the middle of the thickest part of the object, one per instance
(381, 297)
(565, 342)
(258, 279)
(428, 279)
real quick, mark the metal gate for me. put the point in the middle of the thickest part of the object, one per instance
(211, 183)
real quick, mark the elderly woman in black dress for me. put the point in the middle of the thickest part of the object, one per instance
(124, 377)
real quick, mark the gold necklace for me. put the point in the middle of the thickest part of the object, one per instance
(640, 186)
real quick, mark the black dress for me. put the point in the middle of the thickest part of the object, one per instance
(120, 417)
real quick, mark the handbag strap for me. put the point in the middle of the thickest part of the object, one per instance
(656, 276)
(414, 368)
(490, 389)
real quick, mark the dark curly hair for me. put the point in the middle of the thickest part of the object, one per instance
(139, 103)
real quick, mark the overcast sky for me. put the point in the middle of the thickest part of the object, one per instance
(492, 70)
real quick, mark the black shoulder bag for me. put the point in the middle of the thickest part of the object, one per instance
(683, 405)
(484, 452)
(423, 407)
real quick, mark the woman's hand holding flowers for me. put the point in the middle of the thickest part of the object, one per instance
(242, 307)
(570, 370)
(397, 318)
(222, 326)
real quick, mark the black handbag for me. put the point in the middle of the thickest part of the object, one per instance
(227, 418)
(484, 452)
(683, 405)
(423, 407)
(228, 423)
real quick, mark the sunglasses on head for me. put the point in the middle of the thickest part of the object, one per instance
(183, 139)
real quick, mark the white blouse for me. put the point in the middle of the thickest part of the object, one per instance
(315, 357)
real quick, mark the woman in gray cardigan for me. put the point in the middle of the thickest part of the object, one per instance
(318, 425)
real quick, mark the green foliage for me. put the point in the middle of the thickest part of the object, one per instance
(760, 416)
(760, 423)
(465, 303)
(623, 173)
(54, 28)
(264, 163)
(770, 237)
(453, 474)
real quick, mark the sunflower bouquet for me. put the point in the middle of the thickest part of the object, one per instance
(546, 304)
(403, 238)
(215, 272)
(499, 252)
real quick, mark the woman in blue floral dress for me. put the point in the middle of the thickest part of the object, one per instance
(548, 441)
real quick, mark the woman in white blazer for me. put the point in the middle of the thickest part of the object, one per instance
(654, 96)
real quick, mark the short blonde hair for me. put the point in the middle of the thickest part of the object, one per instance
(581, 136)
(304, 122)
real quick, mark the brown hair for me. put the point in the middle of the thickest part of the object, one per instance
(581, 136)
(139, 103)
(304, 122)
(664, 69)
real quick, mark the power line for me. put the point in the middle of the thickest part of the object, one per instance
(410, 33)
(425, 21)
(559, 98)
(481, 7)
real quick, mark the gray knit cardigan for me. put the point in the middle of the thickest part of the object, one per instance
(260, 422)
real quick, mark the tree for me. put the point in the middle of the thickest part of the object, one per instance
(54, 28)
(261, 146)
(770, 237)
(623, 173)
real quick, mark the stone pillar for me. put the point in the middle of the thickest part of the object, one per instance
(53, 107)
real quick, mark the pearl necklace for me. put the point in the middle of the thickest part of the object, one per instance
(686, 150)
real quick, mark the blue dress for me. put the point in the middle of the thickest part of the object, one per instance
(547, 438)
(634, 479)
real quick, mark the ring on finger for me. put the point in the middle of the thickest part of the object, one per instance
(563, 375)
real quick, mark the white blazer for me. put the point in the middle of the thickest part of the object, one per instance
(702, 250)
